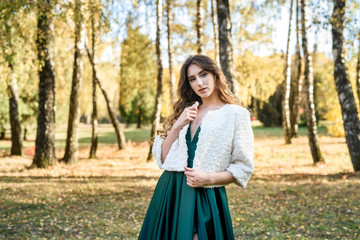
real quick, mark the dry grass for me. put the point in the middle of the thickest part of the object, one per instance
(106, 198)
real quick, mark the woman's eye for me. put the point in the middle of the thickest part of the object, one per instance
(203, 74)
(191, 79)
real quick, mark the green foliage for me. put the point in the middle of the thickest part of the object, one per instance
(18, 44)
(4, 107)
(137, 77)
(258, 76)
(270, 113)
(324, 87)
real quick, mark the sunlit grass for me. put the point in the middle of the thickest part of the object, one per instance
(107, 197)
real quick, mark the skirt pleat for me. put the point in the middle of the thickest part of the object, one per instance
(177, 211)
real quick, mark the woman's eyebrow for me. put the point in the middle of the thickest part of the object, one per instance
(197, 73)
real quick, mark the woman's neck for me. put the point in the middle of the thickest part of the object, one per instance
(211, 102)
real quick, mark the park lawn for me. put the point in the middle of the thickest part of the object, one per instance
(106, 135)
(107, 197)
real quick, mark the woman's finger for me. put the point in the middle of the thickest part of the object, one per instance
(192, 111)
(189, 175)
(188, 116)
(192, 107)
(189, 169)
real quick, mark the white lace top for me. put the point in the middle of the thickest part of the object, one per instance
(226, 142)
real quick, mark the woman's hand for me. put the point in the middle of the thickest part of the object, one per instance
(195, 178)
(188, 115)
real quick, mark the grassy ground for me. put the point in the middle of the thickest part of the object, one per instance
(107, 198)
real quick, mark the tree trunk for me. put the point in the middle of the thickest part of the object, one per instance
(45, 134)
(138, 119)
(2, 133)
(157, 110)
(298, 79)
(170, 51)
(286, 87)
(199, 27)
(94, 120)
(16, 140)
(358, 73)
(343, 86)
(118, 130)
(71, 149)
(25, 133)
(225, 45)
(309, 93)
(216, 40)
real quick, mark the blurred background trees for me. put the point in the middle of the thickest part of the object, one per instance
(252, 37)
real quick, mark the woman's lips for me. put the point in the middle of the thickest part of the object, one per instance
(202, 90)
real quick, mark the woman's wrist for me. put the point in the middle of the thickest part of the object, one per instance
(176, 128)
(209, 179)
(220, 178)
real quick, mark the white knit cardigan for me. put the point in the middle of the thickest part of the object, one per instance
(225, 142)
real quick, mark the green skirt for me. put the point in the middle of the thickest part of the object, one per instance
(177, 211)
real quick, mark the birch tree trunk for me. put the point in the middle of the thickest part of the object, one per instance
(309, 93)
(225, 45)
(45, 134)
(118, 130)
(199, 27)
(298, 79)
(71, 149)
(286, 87)
(216, 40)
(170, 50)
(343, 86)
(358, 73)
(94, 120)
(157, 110)
(16, 139)
(12, 87)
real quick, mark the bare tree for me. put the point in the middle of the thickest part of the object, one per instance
(170, 50)
(94, 120)
(45, 135)
(118, 130)
(286, 86)
(216, 40)
(199, 27)
(298, 79)
(343, 86)
(225, 44)
(358, 72)
(309, 93)
(71, 149)
(157, 110)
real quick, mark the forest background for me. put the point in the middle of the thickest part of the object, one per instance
(88, 72)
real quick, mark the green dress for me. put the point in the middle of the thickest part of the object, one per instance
(177, 211)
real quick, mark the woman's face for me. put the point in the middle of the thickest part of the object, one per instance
(201, 81)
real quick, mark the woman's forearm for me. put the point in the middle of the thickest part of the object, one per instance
(168, 141)
(220, 178)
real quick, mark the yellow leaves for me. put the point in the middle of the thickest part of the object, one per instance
(336, 128)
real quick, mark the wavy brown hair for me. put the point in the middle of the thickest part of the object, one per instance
(187, 96)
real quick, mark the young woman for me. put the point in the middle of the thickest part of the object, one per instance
(203, 149)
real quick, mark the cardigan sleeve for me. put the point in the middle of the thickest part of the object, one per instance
(241, 163)
(157, 150)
